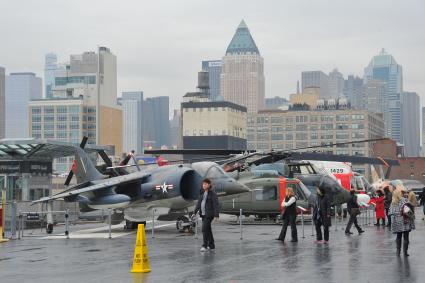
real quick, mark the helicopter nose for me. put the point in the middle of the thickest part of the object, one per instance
(233, 188)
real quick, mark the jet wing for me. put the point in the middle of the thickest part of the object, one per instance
(107, 183)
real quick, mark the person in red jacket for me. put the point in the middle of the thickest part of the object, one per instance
(380, 208)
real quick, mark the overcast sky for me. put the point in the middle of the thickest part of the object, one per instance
(160, 44)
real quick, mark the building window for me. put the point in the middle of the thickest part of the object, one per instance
(49, 110)
(75, 109)
(358, 135)
(277, 120)
(201, 132)
(303, 127)
(342, 117)
(209, 131)
(194, 132)
(36, 110)
(61, 109)
(215, 108)
(277, 137)
(314, 118)
(262, 137)
(186, 110)
(357, 117)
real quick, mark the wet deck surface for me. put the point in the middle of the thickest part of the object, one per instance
(175, 257)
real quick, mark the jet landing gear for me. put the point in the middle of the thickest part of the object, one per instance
(185, 224)
(129, 225)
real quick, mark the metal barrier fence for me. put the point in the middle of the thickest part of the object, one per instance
(16, 215)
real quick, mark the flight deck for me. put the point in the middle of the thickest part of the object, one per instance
(90, 256)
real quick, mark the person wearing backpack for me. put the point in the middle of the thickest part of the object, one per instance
(402, 218)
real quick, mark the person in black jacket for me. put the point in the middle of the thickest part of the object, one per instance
(387, 203)
(289, 216)
(208, 210)
(322, 215)
(354, 210)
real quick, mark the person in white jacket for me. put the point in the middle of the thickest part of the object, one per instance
(289, 216)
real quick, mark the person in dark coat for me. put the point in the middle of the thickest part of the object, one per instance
(354, 210)
(289, 216)
(422, 201)
(387, 203)
(402, 218)
(322, 215)
(208, 210)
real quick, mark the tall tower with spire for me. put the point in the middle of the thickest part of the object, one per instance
(242, 75)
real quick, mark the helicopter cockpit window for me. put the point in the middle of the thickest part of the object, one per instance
(306, 169)
(298, 192)
(265, 193)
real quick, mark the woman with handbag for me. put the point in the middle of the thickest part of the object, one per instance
(289, 216)
(402, 218)
(354, 210)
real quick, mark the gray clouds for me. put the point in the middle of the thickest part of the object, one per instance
(160, 44)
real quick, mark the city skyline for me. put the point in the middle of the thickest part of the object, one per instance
(173, 54)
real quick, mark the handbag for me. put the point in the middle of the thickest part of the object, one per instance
(355, 211)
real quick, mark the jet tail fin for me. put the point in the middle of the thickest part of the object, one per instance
(84, 169)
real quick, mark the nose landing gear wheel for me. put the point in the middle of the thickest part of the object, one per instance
(184, 224)
(49, 228)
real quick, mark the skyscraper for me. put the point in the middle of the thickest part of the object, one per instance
(20, 89)
(316, 79)
(2, 103)
(374, 97)
(156, 124)
(132, 107)
(50, 66)
(242, 75)
(94, 77)
(175, 129)
(384, 67)
(214, 69)
(336, 84)
(354, 91)
(423, 131)
(411, 117)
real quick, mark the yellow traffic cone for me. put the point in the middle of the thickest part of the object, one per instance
(2, 240)
(141, 258)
